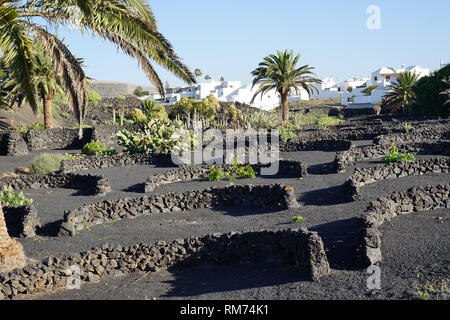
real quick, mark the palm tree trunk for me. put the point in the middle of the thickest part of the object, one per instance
(11, 252)
(285, 107)
(48, 118)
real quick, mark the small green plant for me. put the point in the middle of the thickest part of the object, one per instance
(36, 126)
(71, 157)
(153, 110)
(46, 163)
(93, 148)
(246, 172)
(435, 290)
(65, 114)
(94, 97)
(108, 152)
(138, 116)
(215, 174)
(122, 98)
(395, 156)
(298, 219)
(8, 197)
(287, 134)
(407, 127)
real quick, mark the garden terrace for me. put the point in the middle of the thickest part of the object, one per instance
(364, 176)
(295, 247)
(262, 196)
(296, 169)
(89, 183)
(354, 155)
(386, 208)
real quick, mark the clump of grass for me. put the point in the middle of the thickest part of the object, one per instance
(8, 197)
(395, 156)
(93, 148)
(215, 174)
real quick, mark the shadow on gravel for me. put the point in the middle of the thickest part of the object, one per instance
(207, 278)
(321, 168)
(339, 239)
(324, 197)
(50, 229)
(136, 188)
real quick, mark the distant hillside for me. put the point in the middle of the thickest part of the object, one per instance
(112, 89)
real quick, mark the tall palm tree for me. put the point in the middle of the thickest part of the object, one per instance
(280, 72)
(129, 24)
(198, 73)
(400, 93)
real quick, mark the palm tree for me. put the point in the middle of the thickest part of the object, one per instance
(207, 77)
(129, 24)
(280, 72)
(400, 93)
(198, 73)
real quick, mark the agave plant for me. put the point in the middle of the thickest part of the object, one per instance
(129, 24)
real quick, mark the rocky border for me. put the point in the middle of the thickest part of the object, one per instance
(21, 221)
(293, 247)
(364, 176)
(297, 169)
(416, 199)
(299, 144)
(94, 184)
(423, 134)
(115, 161)
(354, 155)
(275, 196)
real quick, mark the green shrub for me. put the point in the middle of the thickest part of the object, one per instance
(153, 110)
(429, 100)
(46, 163)
(395, 156)
(122, 98)
(287, 134)
(8, 197)
(407, 127)
(108, 152)
(94, 97)
(138, 116)
(93, 148)
(326, 121)
(187, 106)
(157, 135)
(215, 174)
(298, 219)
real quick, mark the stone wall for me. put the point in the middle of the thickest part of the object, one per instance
(21, 221)
(299, 144)
(292, 247)
(293, 168)
(94, 184)
(260, 196)
(350, 157)
(418, 135)
(364, 176)
(118, 160)
(396, 204)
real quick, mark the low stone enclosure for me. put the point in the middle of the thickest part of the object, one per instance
(364, 176)
(293, 168)
(347, 158)
(89, 183)
(21, 221)
(293, 247)
(416, 199)
(17, 143)
(439, 132)
(274, 196)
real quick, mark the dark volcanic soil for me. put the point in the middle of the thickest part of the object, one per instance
(416, 244)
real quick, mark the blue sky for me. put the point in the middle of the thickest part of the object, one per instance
(229, 38)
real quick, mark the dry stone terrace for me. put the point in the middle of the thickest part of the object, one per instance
(322, 257)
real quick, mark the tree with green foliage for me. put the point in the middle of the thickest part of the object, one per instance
(153, 110)
(198, 73)
(139, 92)
(429, 100)
(222, 79)
(129, 24)
(350, 89)
(280, 72)
(400, 93)
(208, 77)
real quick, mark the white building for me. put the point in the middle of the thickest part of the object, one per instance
(228, 91)
(382, 78)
